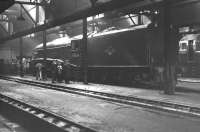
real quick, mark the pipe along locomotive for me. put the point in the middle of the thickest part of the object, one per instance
(114, 57)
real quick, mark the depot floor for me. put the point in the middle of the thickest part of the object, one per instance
(189, 96)
(98, 114)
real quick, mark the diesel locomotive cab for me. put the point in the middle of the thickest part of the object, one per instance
(189, 56)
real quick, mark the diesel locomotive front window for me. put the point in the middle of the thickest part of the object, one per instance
(183, 46)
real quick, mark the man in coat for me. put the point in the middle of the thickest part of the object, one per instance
(67, 71)
(38, 67)
(54, 71)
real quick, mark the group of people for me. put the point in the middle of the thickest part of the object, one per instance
(59, 71)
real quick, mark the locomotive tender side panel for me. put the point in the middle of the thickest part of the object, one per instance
(122, 49)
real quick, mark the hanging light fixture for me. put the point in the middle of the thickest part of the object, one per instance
(21, 18)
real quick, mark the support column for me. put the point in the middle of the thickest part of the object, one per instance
(37, 13)
(140, 22)
(21, 73)
(44, 34)
(44, 45)
(84, 52)
(170, 51)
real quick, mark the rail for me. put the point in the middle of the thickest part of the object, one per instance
(50, 118)
(134, 101)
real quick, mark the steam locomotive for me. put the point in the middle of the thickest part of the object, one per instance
(114, 57)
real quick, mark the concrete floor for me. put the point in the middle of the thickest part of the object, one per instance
(185, 98)
(99, 114)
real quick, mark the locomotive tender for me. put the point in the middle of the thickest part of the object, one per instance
(115, 57)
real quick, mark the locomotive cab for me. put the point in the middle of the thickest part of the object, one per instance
(76, 52)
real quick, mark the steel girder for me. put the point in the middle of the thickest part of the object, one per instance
(29, 3)
(5, 4)
(99, 8)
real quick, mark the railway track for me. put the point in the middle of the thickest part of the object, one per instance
(51, 119)
(135, 101)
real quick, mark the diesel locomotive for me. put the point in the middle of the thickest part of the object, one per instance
(189, 56)
(114, 57)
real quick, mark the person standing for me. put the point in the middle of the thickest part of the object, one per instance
(67, 71)
(60, 72)
(44, 72)
(54, 71)
(39, 71)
